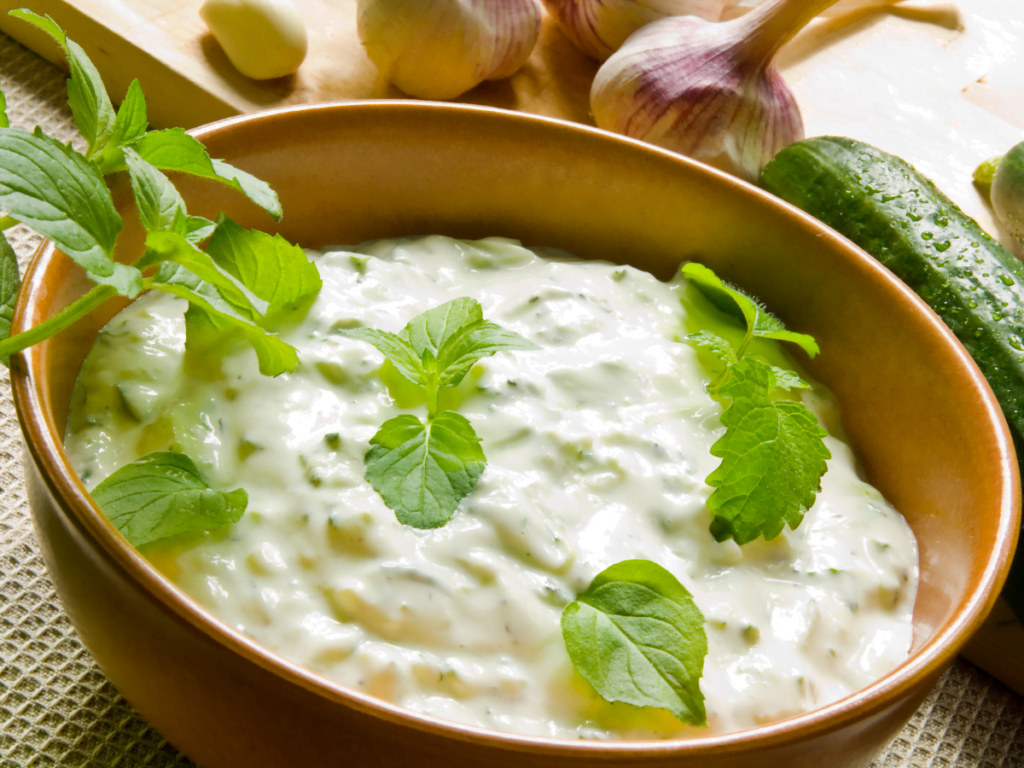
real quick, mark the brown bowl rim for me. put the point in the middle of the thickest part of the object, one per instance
(43, 442)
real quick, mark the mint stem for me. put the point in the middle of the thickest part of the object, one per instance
(724, 375)
(744, 344)
(67, 316)
(431, 399)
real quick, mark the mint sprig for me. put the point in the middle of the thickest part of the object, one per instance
(637, 636)
(163, 495)
(773, 453)
(246, 281)
(423, 469)
(243, 284)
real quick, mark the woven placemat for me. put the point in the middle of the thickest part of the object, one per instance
(57, 709)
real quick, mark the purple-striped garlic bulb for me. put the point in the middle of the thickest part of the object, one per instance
(439, 49)
(599, 27)
(709, 91)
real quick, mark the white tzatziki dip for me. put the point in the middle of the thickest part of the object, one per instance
(597, 447)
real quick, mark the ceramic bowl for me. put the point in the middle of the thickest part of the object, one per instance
(917, 411)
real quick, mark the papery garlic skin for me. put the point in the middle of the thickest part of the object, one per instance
(683, 83)
(439, 49)
(600, 27)
(262, 39)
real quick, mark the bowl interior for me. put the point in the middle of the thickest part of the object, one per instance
(915, 408)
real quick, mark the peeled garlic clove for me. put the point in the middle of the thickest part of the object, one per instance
(439, 49)
(263, 39)
(705, 90)
(599, 27)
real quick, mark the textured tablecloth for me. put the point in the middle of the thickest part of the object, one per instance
(57, 709)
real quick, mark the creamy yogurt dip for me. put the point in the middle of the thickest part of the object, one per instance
(597, 447)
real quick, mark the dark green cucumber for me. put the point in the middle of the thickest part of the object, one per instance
(974, 284)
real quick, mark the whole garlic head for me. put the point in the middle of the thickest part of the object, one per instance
(700, 89)
(263, 39)
(439, 49)
(600, 27)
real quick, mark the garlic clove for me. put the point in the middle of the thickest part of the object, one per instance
(439, 49)
(600, 27)
(706, 90)
(263, 39)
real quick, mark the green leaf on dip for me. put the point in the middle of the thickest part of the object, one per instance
(422, 471)
(163, 495)
(638, 637)
(772, 456)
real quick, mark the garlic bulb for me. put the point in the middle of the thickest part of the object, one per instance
(599, 27)
(263, 39)
(439, 49)
(709, 91)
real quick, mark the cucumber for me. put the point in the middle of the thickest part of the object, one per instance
(972, 282)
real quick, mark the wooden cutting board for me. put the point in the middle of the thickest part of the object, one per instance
(938, 84)
(189, 81)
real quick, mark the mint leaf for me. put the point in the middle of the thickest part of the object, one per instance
(431, 329)
(10, 284)
(255, 189)
(163, 495)
(4, 122)
(131, 122)
(90, 104)
(741, 305)
(163, 246)
(714, 344)
(422, 471)
(208, 334)
(395, 348)
(722, 349)
(274, 355)
(460, 351)
(195, 229)
(638, 637)
(787, 379)
(268, 265)
(156, 198)
(175, 150)
(772, 455)
(57, 192)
